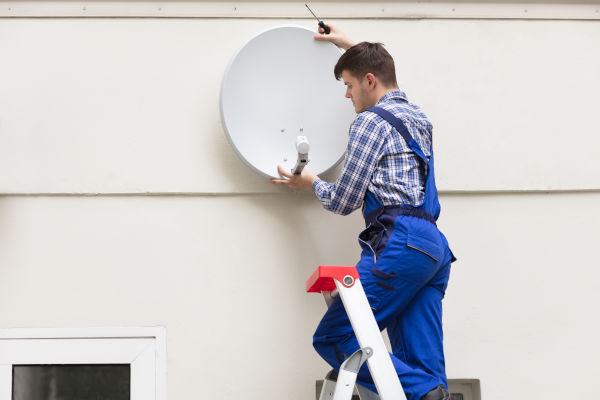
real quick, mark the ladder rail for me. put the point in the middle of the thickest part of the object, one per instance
(368, 335)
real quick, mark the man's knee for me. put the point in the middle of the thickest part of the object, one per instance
(333, 350)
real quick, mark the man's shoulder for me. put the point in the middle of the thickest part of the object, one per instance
(367, 124)
(368, 117)
(407, 112)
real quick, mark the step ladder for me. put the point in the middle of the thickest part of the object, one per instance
(333, 281)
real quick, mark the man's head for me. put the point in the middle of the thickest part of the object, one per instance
(368, 72)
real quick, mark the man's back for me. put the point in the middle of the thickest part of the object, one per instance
(399, 174)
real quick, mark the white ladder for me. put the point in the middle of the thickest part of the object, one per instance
(332, 281)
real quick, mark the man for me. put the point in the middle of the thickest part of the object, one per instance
(405, 261)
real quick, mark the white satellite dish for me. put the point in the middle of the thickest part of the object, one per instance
(278, 87)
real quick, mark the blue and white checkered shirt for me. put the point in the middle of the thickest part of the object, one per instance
(378, 159)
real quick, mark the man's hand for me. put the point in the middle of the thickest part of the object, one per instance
(304, 180)
(336, 36)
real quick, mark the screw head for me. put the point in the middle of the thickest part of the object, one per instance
(348, 281)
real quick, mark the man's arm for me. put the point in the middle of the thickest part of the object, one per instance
(336, 36)
(364, 150)
(348, 191)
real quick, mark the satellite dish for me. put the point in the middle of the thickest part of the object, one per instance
(278, 95)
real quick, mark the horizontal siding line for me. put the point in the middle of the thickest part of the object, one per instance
(283, 10)
(239, 194)
(412, 18)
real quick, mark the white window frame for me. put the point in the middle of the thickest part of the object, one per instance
(143, 348)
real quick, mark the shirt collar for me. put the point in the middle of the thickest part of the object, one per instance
(393, 95)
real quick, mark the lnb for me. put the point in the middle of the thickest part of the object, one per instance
(302, 147)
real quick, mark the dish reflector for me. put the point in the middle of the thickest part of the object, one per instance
(279, 86)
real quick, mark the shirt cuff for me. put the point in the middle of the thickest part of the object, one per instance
(318, 187)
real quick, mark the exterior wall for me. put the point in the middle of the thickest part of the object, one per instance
(123, 205)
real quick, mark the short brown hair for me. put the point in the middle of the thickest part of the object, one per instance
(366, 57)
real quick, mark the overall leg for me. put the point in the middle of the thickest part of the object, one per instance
(335, 341)
(407, 264)
(416, 334)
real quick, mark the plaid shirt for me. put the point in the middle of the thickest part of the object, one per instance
(379, 160)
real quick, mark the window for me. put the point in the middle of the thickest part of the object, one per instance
(116, 363)
(73, 381)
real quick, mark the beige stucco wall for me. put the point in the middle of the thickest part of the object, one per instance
(123, 205)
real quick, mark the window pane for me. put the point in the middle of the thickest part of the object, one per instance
(71, 382)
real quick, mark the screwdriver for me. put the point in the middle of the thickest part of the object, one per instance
(321, 23)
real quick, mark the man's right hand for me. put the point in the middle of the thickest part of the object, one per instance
(303, 180)
(336, 36)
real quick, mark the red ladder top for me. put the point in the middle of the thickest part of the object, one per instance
(322, 280)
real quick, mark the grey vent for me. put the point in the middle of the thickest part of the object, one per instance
(461, 389)
(465, 389)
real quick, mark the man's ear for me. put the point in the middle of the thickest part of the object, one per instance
(371, 80)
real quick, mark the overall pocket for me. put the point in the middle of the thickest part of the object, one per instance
(371, 238)
(426, 245)
(415, 251)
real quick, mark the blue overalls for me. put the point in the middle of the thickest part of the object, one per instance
(404, 269)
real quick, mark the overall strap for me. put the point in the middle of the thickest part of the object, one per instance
(401, 128)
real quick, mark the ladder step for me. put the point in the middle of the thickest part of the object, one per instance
(340, 385)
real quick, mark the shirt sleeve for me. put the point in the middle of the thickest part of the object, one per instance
(363, 153)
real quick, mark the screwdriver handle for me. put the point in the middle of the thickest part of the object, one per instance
(325, 27)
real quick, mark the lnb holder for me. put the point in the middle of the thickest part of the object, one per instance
(302, 147)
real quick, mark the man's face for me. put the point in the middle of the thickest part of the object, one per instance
(357, 91)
